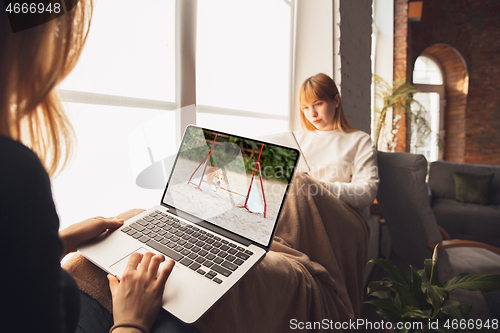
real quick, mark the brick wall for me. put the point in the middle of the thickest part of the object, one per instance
(472, 28)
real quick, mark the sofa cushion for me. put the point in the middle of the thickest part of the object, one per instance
(468, 221)
(457, 260)
(472, 188)
(441, 179)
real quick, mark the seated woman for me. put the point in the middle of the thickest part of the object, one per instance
(315, 269)
(340, 156)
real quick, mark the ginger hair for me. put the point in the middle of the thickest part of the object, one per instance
(32, 63)
(322, 87)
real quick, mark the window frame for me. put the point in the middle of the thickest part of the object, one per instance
(440, 90)
(185, 78)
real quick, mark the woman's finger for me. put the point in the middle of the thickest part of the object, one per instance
(133, 261)
(113, 223)
(108, 223)
(155, 263)
(113, 284)
(146, 259)
(165, 273)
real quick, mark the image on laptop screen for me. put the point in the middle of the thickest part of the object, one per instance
(235, 183)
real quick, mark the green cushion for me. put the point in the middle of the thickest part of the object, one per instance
(472, 188)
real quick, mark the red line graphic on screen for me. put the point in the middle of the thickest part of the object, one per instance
(261, 184)
(205, 169)
(247, 197)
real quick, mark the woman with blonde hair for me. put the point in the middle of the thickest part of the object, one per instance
(37, 51)
(315, 268)
(341, 157)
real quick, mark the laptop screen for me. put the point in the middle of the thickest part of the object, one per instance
(235, 183)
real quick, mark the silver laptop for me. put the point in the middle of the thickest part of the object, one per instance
(216, 219)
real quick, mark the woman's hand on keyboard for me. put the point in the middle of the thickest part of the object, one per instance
(78, 233)
(137, 296)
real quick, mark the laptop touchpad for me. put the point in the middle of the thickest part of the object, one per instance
(119, 267)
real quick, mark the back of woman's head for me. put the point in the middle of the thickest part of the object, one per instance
(322, 87)
(32, 63)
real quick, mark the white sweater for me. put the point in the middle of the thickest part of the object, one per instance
(346, 162)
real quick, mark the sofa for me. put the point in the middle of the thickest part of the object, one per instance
(404, 202)
(466, 221)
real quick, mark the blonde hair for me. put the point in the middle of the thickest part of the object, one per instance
(322, 87)
(32, 63)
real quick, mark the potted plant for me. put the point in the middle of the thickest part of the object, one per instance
(399, 96)
(422, 298)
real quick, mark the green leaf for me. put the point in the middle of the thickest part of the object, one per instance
(484, 283)
(413, 312)
(406, 297)
(428, 270)
(396, 272)
(454, 309)
(400, 96)
(376, 285)
(397, 302)
(382, 294)
(436, 297)
(386, 309)
(416, 288)
(428, 312)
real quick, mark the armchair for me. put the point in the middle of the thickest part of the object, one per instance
(468, 221)
(404, 201)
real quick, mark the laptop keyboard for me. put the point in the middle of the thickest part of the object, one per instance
(201, 251)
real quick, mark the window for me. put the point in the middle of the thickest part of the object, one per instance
(243, 65)
(428, 78)
(430, 102)
(101, 179)
(125, 77)
(131, 54)
(426, 71)
(121, 95)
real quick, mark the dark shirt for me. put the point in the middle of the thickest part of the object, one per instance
(33, 284)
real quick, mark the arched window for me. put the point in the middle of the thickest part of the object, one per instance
(427, 71)
(428, 79)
